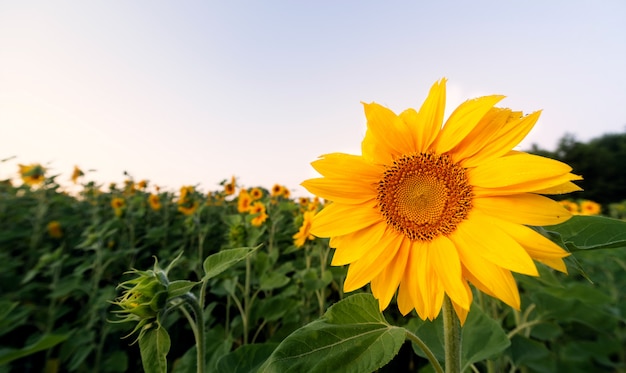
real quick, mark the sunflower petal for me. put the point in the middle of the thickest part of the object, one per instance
(387, 135)
(347, 166)
(352, 246)
(527, 209)
(385, 284)
(426, 123)
(522, 168)
(346, 191)
(331, 221)
(488, 241)
(372, 263)
(445, 260)
(509, 136)
(491, 279)
(463, 120)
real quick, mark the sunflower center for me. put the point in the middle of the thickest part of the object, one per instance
(424, 195)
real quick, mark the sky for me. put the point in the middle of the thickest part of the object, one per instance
(194, 92)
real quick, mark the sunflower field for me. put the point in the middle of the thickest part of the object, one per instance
(64, 257)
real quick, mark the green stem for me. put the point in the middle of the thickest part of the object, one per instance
(198, 329)
(429, 354)
(452, 337)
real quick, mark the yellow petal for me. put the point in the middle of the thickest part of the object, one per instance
(426, 124)
(372, 263)
(535, 244)
(405, 303)
(528, 209)
(414, 279)
(490, 279)
(462, 121)
(554, 263)
(445, 261)
(480, 235)
(352, 246)
(482, 135)
(554, 185)
(387, 135)
(346, 191)
(509, 136)
(348, 166)
(561, 188)
(385, 284)
(460, 311)
(520, 169)
(338, 219)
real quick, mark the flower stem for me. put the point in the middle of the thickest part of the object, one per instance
(198, 329)
(452, 337)
(429, 354)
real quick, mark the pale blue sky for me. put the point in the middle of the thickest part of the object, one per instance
(190, 92)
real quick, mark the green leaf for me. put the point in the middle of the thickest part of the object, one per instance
(528, 353)
(219, 262)
(245, 359)
(154, 345)
(273, 280)
(591, 232)
(482, 338)
(180, 287)
(352, 336)
(45, 342)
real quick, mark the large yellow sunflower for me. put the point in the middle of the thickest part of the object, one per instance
(428, 209)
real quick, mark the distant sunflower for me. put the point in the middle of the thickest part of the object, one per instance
(76, 174)
(570, 206)
(155, 202)
(243, 201)
(304, 233)
(54, 229)
(118, 205)
(258, 209)
(229, 188)
(590, 208)
(429, 209)
(277, 190)
(256, 193)
(32, 174)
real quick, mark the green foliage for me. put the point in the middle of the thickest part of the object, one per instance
(265, 302)
(352, 336)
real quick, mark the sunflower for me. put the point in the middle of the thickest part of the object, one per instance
(429, 209)
(32, 174)
(256, 193)
(277, 190)
(118, 205)
(258, 209)
(155, 202)
(76, 174)
(304, 233)
(590, 208)
(229, 188)
(570, 206)
(54, 229)
(243, 201)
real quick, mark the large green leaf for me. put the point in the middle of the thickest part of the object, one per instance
(219, 262)
(352, 336)
(246, 359)
(45, 342)
(154, 345)
(590, 232)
